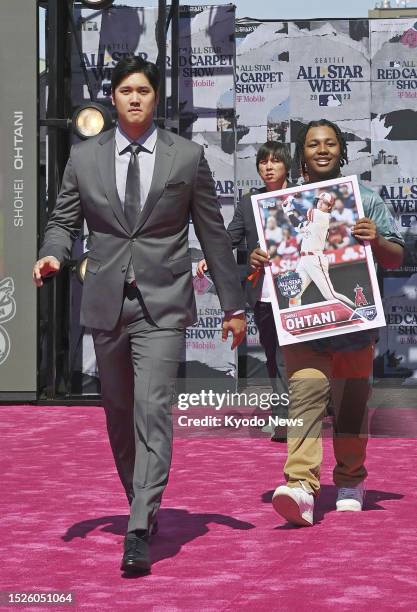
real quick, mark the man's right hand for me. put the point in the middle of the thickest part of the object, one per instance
(258, 259)
(44, 267)
(201, 268)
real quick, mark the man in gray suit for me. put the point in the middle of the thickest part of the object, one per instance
(137, 186)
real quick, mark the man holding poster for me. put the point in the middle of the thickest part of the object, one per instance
(338, 367)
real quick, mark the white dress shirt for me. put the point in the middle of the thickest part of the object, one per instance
(146, 161)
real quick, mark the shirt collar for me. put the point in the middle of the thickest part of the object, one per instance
(147, 139)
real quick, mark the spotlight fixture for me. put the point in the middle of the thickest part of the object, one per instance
(97, 4)
(91, 119)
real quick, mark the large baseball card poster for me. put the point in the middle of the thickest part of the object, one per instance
(322, 281)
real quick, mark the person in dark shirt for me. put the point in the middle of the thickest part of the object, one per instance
(273, 163)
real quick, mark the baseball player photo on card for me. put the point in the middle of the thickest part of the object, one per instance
(322, 280)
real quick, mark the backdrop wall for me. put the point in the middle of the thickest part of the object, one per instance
(244, 82)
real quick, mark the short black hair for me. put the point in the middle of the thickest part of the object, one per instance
(130, 65)
(301, 138)
(278, 150)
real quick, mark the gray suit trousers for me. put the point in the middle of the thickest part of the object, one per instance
(138, 365)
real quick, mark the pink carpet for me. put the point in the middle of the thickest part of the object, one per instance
(220, 545)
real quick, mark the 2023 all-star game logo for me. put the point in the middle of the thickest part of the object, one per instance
(289, 284)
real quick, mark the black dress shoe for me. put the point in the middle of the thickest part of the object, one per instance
(136, 558)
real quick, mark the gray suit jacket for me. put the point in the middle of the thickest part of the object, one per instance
(182, 187)
(243, 228)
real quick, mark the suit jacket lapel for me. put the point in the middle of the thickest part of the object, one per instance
(106, 166)
(164, 157)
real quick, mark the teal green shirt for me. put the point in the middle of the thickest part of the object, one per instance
(375, 208)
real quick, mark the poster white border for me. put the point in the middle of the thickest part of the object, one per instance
(350, 326)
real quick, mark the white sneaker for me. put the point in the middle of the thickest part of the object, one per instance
(294, 504)
(350, 499)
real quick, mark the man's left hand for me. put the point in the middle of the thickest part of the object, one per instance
(237, 325)
(365, 229)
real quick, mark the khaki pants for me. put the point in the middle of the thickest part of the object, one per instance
(315, 378)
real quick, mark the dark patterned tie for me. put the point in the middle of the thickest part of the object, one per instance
(132, 194)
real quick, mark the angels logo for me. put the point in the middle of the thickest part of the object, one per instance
(7, 312)
(360, 299)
